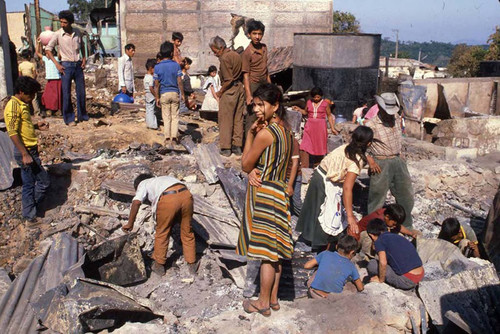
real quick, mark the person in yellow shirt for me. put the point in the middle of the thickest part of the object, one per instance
(28, 69)
(21, 131)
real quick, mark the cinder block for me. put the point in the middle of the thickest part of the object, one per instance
(257, 6)
(209, 32)
(318, 6)
(192, 41)
(282, 36)
(145, 42)
(143, 22)
(317, 19)
(182, 22)
(219, 5)
(287, 19)
(288, 6)
(182, 5)
(140, 5)
(214, 19)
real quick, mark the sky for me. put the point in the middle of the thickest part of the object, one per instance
(453, 21)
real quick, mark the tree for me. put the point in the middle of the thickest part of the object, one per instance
(464, 62)
(82, 8)
(493, 52)
(404, 54)
(345, 22)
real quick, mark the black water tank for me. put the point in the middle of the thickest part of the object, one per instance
(344, 66)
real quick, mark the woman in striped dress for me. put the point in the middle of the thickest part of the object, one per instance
(266, 232)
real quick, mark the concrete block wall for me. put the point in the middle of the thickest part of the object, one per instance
(148, 23)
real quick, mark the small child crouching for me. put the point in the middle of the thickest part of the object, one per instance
(334, 270)
(461, 235)
(398, 264)
(150, 98)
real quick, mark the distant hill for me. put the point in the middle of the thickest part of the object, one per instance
(435, 53)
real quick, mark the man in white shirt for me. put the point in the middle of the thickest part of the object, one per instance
(126, 71)
(171, 202)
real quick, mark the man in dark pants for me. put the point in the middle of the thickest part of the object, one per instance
(254, 67)
(70, 45)
(232, 98)
(388, 169)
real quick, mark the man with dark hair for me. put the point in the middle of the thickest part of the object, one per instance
(171, 203)
(254, 67)
(177, 39)
(334, 269)
(398, 262)
(22, 133)
(72, 54)
(168, 85)
(231, 94)
(388, 169)
(126, 71)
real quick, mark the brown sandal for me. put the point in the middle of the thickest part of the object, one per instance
(247, 304)
(275, 306)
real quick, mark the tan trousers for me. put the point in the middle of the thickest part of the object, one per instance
(172, 209)
(170, 112)
(231, 106)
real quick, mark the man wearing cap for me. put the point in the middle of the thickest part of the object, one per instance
(171, 203)
(387, 168)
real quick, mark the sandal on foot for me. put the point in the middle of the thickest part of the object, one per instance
(275, 306)
(251, 308)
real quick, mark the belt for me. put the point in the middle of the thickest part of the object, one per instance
(171, 192)
(384, 157)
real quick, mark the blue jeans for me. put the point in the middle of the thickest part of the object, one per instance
(36, 181)
(296, 200)
(73, 71)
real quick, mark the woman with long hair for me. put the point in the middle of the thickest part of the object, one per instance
(266, 232)
(327, 209)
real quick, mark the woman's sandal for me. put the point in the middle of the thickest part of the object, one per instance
(275, 306)
(248, 306)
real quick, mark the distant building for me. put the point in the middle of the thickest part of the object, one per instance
(411, 67)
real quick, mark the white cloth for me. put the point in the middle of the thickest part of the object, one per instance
(210, 102)
(151, 189)
(148, 82)
(332, 217)
(126, 73)
(51, 72)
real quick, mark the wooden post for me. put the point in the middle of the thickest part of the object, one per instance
(37, 18)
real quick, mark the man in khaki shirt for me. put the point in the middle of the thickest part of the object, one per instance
(231, 96)
(70, 45)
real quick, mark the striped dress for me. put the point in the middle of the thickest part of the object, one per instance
(266, 233)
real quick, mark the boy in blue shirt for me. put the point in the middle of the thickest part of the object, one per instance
(399, 263)
(334, 269)
(168, 83)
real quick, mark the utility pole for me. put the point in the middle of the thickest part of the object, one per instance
(419, 54)
(37, 19)
(397, 41)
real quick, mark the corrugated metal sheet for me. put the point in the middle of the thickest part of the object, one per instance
(44, 273)
(280, 59)
(6, 159)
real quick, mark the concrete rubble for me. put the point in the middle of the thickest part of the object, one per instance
(92, 167)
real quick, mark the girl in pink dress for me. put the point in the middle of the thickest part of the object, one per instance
(314, 138)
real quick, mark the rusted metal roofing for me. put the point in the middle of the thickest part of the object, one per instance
(44, 273)
(6, 159)
(280, 59)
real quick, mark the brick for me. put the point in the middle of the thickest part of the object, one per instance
(140, 5)
(318, 6)
(144, 22)
(319, 19)
(214, 19)
(219, 5)
(145, 42)
(182, 5)
(182, 22)
(287, 19)
(288, 6)
(282, 36)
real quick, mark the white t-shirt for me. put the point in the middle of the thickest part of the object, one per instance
(152, 189)
(148, 82)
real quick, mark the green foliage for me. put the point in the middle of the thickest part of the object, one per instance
(493, 52)
(464, 62)
(82, 8)
(344, 22)
(435, 53)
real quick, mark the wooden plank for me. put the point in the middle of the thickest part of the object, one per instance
(208, 159)
(235, 188)
(119, 187)
(203, 207)
(94, 210)
(214, 232)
